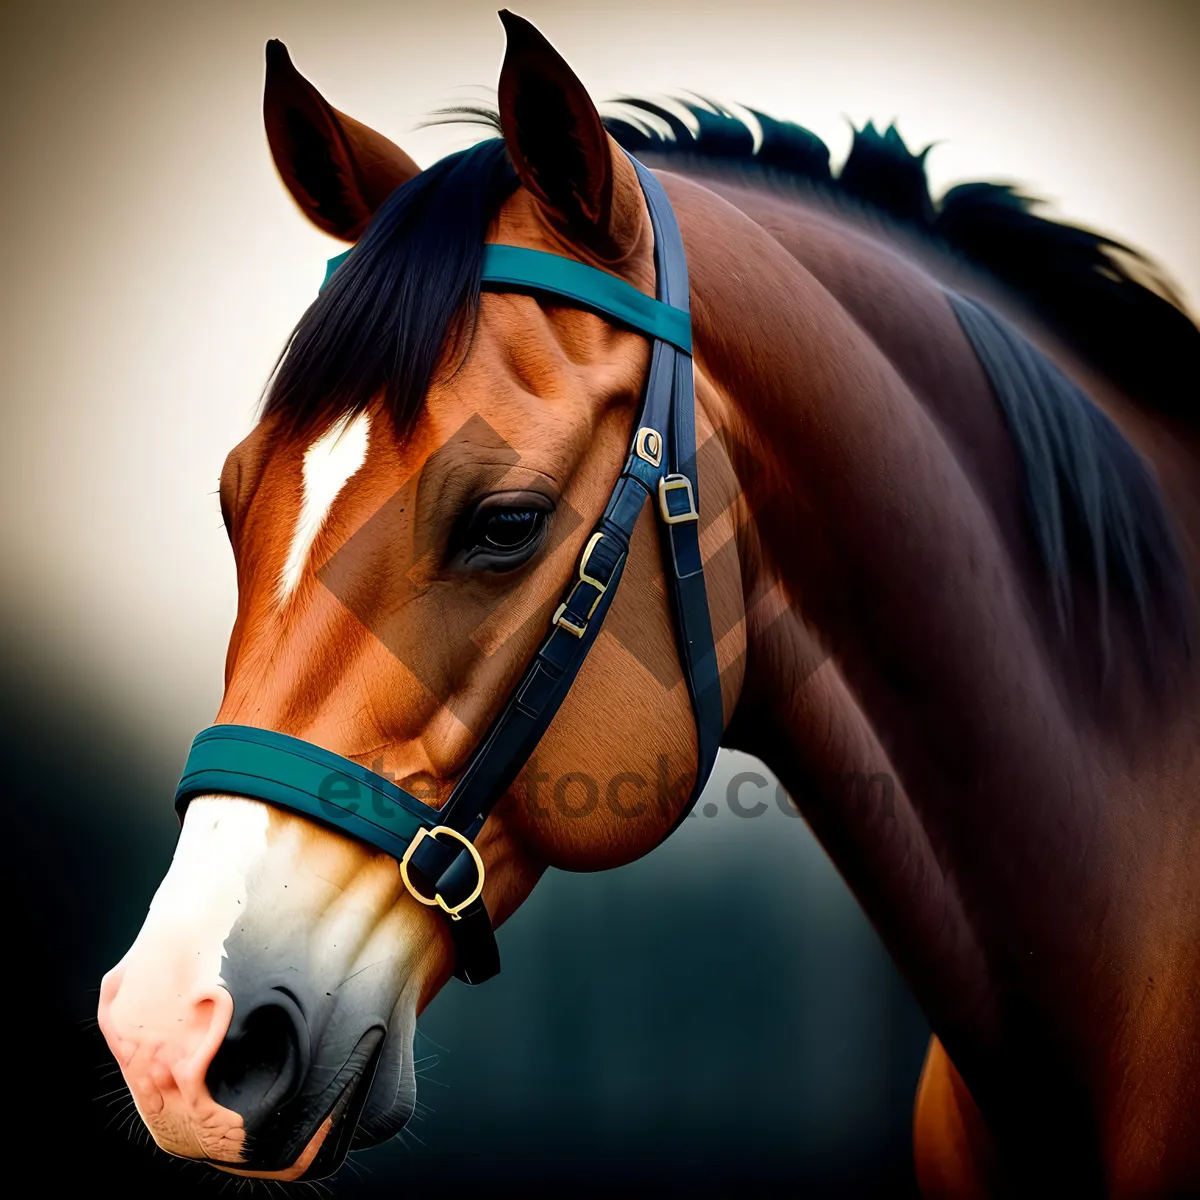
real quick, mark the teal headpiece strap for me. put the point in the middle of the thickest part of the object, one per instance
(519, 269)
(332, 265)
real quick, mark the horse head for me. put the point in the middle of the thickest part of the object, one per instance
(405, 518)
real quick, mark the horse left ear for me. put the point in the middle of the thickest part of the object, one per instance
(338, 170)
(560, 150)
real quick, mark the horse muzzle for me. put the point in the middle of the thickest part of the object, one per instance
(309, 1135)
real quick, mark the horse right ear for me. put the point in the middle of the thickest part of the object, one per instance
(338, 170)
(560, 149)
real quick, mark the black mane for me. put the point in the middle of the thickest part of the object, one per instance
(1106, 300)
(382, 322)
(1080, 472)
(408, 290)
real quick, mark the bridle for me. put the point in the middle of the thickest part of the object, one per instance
(439, 863)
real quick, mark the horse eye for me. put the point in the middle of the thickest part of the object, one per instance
(504, 531)
(510, 529)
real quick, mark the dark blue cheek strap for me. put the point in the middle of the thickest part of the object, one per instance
(438, 860)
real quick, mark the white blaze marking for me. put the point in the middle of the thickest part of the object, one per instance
(204, 892)
(328, 465)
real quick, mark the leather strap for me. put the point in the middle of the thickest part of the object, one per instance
(509, 268)
(685, 564)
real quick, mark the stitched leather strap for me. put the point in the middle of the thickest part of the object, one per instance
(685, 564)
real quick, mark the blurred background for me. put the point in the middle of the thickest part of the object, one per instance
(719, 1016)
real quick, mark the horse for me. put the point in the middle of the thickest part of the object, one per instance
(948, 505)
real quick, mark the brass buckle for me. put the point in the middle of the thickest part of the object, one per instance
(648, 446)
(584, 577)
(453, 910)
(673, 483)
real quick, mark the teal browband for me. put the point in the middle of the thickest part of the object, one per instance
(519, 269)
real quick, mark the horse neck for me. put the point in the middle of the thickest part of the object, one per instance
(895, 680)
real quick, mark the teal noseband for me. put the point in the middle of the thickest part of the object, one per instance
(305, 778)
(519, 269)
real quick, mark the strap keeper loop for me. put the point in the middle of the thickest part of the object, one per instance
(677, 483)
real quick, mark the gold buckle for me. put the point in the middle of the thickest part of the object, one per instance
(673, 483)
(454, 910)
(648, 446)
(569, 626)
(584, 577)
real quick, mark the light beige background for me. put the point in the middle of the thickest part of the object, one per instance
(153, 265)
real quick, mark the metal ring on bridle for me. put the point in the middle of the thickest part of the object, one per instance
(453, 910)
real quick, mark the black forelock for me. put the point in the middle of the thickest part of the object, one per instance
(407, 290)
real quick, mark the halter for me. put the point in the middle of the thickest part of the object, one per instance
(439, 863)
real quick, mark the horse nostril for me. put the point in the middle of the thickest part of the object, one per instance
(261, 1063)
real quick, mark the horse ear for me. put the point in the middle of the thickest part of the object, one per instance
(560, 150)
(338, 170)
